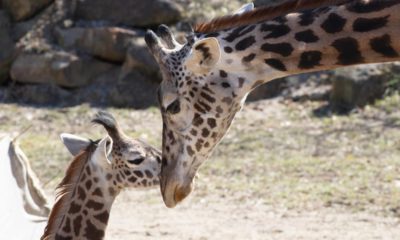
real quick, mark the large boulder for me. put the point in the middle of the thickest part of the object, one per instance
(129, 12)
(138, 57)
(6, 46)
(23, 9)
(135, 90)
(20, 29)
(61, 68)
(314, 86)
(41, 94)
(359, 85)
(108, 43)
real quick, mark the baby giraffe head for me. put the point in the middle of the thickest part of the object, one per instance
(99, 171)
(124, 162)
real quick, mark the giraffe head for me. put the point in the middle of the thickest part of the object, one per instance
(99, 171)
(125, 161)
(199, 97)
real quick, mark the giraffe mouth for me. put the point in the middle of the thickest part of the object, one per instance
(175, 198)
(169, 194)
(174, 193)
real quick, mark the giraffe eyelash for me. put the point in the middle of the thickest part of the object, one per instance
(136, 161)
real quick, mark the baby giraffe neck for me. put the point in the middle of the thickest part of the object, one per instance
(88, 208)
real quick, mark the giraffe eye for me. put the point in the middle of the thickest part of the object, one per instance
(136, 161)
(174, 107)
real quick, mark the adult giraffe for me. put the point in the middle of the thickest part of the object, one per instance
(206, 81)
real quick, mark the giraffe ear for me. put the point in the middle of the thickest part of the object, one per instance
(101, 155)
(205, 55)
(73, 143)
(245, 8)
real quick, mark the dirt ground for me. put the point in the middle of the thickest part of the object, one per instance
(216, 219)
(284, 171)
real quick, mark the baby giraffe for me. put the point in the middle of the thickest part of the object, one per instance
(99, 171)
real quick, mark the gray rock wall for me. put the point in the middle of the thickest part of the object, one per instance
(136, 13)
(6, 46)
(64, 52)
(23, 9)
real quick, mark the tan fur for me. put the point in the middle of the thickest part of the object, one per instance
(263, 14)
(64, 192)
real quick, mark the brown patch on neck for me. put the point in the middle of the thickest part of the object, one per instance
(263, 14)
(65, 190)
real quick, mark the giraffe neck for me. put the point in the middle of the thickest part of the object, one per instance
(320, 39)
(88, 207)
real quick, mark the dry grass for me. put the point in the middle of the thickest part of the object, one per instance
(277, 153)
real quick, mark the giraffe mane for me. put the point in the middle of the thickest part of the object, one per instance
(262, 14)
(65, 190)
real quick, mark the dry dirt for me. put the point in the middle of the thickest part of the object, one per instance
(219, 219)
(280, 173)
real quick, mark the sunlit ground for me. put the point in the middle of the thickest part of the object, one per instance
(276, 153)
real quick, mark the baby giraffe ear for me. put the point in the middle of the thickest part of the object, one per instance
(205, 55)
(74, 144)
(101, 155)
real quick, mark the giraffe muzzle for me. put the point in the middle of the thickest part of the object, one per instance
(174, 191)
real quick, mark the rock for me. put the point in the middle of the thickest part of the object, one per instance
(134, 90)
(97, 93)
(61, 68)
(108, 43)
(139, 57)
(23, 9)
(315, 86)
(359, 85)
(6, 46)
(129, 12)
(47, 94)
(50, 94)
(268, 90)
(301, 87)
(19, 29)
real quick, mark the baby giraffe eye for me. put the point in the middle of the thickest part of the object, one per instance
(174, 107)
(136, 161)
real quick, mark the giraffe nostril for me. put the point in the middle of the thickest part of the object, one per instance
(182, 192)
